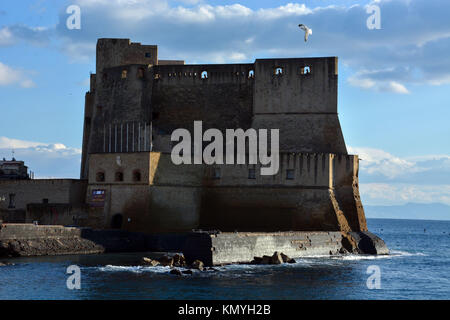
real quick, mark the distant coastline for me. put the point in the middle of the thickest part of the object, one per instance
(410, 211)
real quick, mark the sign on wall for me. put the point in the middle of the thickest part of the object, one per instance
(98, 198)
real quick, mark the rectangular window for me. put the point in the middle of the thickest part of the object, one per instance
(216, 173)
(289, 174)
(251, 173)
(12, 201)
(148, 55)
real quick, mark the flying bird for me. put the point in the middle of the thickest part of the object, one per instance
(307, 30)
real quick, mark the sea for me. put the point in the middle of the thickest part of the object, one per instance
(417, 268)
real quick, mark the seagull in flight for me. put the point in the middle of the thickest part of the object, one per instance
(307, 30)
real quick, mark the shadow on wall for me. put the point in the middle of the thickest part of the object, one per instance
(230, 212)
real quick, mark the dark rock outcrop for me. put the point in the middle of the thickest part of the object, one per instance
(150, 262)
(276, 258)
(364, 242)
(197, 264)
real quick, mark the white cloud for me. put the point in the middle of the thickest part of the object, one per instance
(386, 179)
(45, 159)
(371, 80)
(376, 161)
(396, 194)
(78, 51)
(6, 37)
(12, 76)
(11, 35)
(9, 143)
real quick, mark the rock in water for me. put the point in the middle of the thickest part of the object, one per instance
(276, 258)
(179, 260)
(187, 272)
(256, 260)
(166, 261)
(197, 264)
(266, 260)
(286, 259)
(176, 272)
(150, 262)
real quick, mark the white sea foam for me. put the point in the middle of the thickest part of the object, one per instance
(250, 269)
(134, 269)
(392, 254)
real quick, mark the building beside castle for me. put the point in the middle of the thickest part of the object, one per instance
(13, 170)
(127, 178)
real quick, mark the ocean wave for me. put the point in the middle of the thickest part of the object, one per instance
(134, 269)
(250, 268)
(392, 254)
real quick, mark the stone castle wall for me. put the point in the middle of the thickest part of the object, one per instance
(314, 195)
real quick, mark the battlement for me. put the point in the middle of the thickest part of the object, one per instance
(308, 170)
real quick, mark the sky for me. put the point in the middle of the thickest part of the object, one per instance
(394, 82)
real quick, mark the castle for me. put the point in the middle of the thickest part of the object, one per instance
(127, 178)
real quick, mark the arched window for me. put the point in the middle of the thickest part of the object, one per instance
(136, 175)
(100, 176)
(124, 74)
(278, 71)
(141, 73)
(204, 74)
(305, 70)
(251, 74)
(119, 176)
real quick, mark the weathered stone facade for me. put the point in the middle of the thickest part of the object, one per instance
(136, 101)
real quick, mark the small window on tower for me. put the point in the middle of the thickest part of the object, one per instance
(305, 70)
(100, 177)
(119, 176)
(278, 71)
(136, 175)
(251, 173)
(12, 201)
(289, 174)
(216, 174)
(148, 55)
(124, 74)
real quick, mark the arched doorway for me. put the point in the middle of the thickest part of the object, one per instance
(116, 221)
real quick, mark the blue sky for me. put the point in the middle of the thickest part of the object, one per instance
(394, 83)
